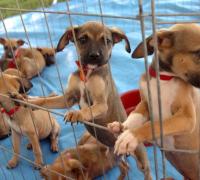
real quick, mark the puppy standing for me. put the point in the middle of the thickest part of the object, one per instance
(105, 105)
(30, 61)
(33, 124)
(179, 59)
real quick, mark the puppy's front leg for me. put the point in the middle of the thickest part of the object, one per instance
(97, 90)
(135, 119)
(183, 121)
(16, 140)
(71, 96)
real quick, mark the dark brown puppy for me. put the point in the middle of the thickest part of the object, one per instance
(90, 155)
(94, 43)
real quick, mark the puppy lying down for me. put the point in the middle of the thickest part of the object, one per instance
(92, 161)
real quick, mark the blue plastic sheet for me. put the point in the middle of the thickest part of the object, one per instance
(125, 70)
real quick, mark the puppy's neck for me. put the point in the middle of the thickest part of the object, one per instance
(9, 107)
(164, 67)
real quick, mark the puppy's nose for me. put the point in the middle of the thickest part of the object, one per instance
(94, 55)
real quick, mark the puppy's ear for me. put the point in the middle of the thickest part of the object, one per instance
(165, 40)
(2, 41)
(118, 35)
(66, 37)
(20, 42)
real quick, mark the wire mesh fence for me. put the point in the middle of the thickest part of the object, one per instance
(146, 19)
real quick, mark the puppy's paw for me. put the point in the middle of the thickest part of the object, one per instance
(126, 143)
(38, 164)
(54, 148)
(115, 127)
(73, 116)
(29, 146)
(12, 163)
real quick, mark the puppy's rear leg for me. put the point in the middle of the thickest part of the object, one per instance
(142, 161)
(124, 167)
(54, 136)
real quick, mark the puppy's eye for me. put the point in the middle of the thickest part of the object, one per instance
(83, 39)
(6, 47)
(108, 41)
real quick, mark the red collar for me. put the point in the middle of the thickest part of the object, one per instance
(83, 71)
(163, 77)
(10, 112)
(12, 64)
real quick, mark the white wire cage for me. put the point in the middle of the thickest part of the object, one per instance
(139, 19)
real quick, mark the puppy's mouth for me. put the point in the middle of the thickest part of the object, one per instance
(93, 62)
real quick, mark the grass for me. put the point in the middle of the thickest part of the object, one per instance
(24, 4)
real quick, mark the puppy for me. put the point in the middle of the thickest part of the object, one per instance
(33, 124)
(91, 86)
(179, 57)
(30, 61)
(89, 154)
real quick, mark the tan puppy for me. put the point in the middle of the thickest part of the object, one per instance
(4, 126)
(104, 104)
(33, 124)
(30, 61)
(89, 162)
(179, 57)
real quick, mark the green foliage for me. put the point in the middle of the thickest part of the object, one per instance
(24, 4)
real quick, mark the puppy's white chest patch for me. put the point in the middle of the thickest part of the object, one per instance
(168, 93)
(13, 124)
(169, 90)
(84, 94)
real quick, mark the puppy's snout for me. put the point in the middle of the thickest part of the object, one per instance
(10, 54)
(194, 79)
(25, 86)
(94, 55)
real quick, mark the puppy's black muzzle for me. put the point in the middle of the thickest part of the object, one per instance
(194, 79)
(94, 58)
(25, 87)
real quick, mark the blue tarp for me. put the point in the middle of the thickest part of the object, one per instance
(126, 71)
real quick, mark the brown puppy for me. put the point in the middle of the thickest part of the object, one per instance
(33, 124)
(4, 126)
(95, 82)
(179, 57)
(30, 61)
(89, 162)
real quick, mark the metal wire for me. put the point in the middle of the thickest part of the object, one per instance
(31, 162)
(158, 84)
(141, 18)
(150, 105)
